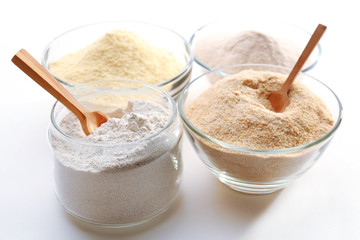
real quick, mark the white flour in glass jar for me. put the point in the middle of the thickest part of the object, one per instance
(127, 171)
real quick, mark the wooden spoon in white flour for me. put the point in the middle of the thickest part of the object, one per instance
(279, 99)
(89, 120)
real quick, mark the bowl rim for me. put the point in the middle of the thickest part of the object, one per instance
(199, 133)
(170, 122)
(199, 30)
(188, 48)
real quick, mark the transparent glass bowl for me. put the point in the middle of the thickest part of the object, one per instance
(288, 33)
(148, 178)
(78, 38)
(256, 171)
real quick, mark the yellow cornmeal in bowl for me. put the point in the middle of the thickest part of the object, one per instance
(117, 54)
(235, 110)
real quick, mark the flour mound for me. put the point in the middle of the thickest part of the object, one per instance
(236, 110)
(139, 120)
(226, 49)
(117, 54)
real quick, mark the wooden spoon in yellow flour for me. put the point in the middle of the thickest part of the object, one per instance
(89, 120)
(279, 99)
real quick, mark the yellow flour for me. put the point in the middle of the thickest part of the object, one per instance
(119, 54)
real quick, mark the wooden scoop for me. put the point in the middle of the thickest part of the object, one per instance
(89, 120)
(279, 99)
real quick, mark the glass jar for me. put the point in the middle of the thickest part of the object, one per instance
(122, 184)
(256, 171)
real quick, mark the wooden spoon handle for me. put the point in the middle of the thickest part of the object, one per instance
(315, 38)
(39, 74)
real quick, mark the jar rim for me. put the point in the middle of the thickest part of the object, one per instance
(88, 143)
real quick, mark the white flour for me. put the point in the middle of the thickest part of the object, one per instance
(132, 178)
(139, 120)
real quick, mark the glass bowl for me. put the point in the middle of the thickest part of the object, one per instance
(289, 34)
(256, 171)
(78, 38)
(117, 184)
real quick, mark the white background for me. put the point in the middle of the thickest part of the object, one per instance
(322, 204)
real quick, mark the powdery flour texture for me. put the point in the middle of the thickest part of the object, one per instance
(235, 111)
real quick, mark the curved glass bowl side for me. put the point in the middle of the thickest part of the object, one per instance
(256, 170)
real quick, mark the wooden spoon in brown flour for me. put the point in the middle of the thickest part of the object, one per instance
(279, 99)
(89, 120)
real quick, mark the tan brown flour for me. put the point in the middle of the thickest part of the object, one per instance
(235, 111)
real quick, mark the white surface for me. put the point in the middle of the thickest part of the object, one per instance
(322, 204)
